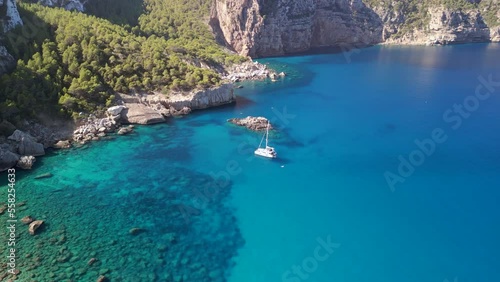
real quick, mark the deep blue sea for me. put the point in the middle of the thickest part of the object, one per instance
(388, 170)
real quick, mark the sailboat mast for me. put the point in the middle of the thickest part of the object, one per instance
(267, 132)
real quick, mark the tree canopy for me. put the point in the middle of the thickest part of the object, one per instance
(72, 62)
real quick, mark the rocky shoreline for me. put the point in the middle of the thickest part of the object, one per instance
(23, 145)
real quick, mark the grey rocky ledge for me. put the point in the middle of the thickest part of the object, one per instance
(154, 108)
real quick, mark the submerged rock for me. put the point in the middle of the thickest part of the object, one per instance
(27, 219)
(45, 175)
(62, 144)
(252, 123)
(34, 226)
(26, 162)
(125, 130)
(91, 261)
(136, 231)
(102, 278)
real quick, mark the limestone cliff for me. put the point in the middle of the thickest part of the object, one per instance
(78, 5)
(288, 26)
(9, 16)
(260, 28)
(423, 23)
(9, 19)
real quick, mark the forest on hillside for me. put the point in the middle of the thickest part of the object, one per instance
(71, 62)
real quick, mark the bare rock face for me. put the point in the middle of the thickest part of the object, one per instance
(11, 18)
(7, 62)
(202, 99)
(268, 28)
(443, 26)
(30, 148)
(290, 26)
(137, 113)
(7, 159)
(116, 110)
(78, 5)
(252, 123)
(26, 162)
(495, 34)
(449, 26)
(8, 21)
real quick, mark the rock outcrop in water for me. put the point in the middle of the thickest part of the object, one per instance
(268, 28)
(252, 123)
(34, 226)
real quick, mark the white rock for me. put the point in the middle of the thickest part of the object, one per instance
(26, 162)
(116, 110)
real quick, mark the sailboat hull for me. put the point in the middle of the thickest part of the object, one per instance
(267, 152)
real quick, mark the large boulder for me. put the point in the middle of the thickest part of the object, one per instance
(137, 113)
(29, 148)
(116, 110)
(7, 159)
(252, 123)
(19, 136)
(28, 145)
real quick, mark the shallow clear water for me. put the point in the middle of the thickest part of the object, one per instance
(212, 211)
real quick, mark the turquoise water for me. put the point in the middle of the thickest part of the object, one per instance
(211, 211)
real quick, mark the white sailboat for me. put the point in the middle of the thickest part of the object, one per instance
(267, 151)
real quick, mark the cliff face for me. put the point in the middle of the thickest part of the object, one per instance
(9, 19)
(259, 28)
(78, 5)
(9, 16)
(289, 26)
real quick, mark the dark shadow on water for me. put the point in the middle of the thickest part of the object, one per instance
(201, 123)
(242, 102)
(388, 128)
(282, 161)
